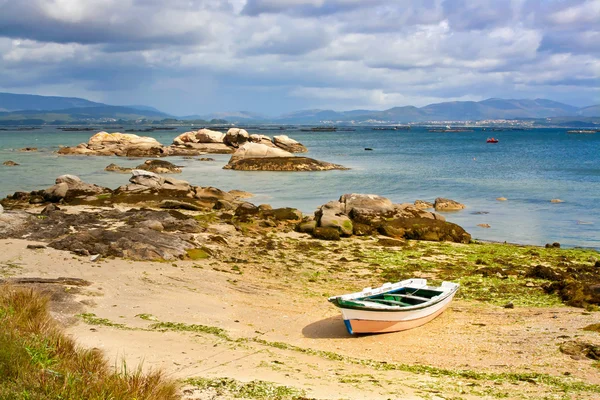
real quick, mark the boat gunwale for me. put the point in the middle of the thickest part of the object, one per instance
(447, 292)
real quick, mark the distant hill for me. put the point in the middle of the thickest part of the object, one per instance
(80, 114)
(18, 102)
(591, 111)
(30, 109)
(144, 108)
(34, 109)
(447, 111)
(235, 116)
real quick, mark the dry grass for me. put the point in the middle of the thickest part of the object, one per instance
(37, 361)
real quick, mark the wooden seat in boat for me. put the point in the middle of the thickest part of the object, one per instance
(408, 296)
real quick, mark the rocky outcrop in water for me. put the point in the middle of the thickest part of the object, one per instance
(299, 164)
(423, 205)
(159, 167)
(200, 136)
(116, 144)
(257, 150)
(187, 144)
(367, 214)
(156, 166)
(115, 168)
(262, 139)
(201, 141)
(260, 157)
(235, 137)
(10, 163)
(289, 144)
(442, 204)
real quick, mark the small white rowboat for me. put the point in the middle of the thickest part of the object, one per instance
(394, 307)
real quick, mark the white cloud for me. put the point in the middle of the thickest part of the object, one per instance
(299, 53)
(585, 13)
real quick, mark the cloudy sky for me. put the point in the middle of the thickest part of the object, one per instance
(274, 56)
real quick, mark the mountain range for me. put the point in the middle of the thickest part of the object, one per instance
(452, 111)
(52, 109)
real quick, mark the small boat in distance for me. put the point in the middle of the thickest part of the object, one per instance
(582, 131)
(394, 307)
(391, 128)
(492, 140)
(320, 129)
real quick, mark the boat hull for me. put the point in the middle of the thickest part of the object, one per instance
(355, 326)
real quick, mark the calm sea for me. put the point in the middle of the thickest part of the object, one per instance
(529, 168)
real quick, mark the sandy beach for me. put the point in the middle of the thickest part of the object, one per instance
(259, 312)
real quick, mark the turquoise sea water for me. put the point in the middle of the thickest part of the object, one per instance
(529, 168)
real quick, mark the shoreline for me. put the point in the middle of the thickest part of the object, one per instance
(539, 221)
(497, 217)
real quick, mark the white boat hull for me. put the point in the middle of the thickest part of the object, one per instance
(361, 321)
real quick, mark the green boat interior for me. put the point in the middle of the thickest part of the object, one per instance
(403, 297)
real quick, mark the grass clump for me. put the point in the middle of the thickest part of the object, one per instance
(37, 361)
(92, 319)
(181, 327)
(147, 317)
(197, 254)
(9, 269)
(248, 390)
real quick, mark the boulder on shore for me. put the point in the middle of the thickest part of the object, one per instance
(145, 188)
(367, 214)
(332, 215)
(67, 189)
(133, 243)
(424, 229)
